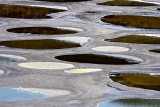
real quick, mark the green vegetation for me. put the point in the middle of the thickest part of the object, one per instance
(146, 22)
(125, 3)
(25, 12)
(39, 44)
(137, 39)
(62, 0)
(144, 81)
(41, 30)
(95, 59)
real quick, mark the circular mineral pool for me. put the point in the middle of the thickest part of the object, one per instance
(12, 94)
(113, 49)
(84, 70)
(16, 94)
(39, 44)
(19, 11)
(42, 30)
(46, 65)
(131, 103)
(114, 59)
(126, 3)
(137, 39)
(138, 80)
(149, 22)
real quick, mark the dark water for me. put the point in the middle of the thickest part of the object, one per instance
(17, 11)
(41, 30)
(97, 59)
(136, 39)
(39, 44)
(155, 50)
(125, 3)
(132, 103)
(145, 81)
(146, 22)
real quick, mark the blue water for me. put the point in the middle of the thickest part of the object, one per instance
(10, 94)
(131, 103)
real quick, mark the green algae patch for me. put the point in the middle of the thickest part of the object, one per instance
(144, 81)
(137, 39)
(125, 3)
(39, 44)
(96, 59)
(62, 0)
(146, 22)
(26, 12)
(42, 30)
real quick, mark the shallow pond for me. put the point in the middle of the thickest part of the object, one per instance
(137, 39)
(155, 50)
(145, 81)
(46, 65)
(125, 3)
(83, 70)
(42, 30)
(19, 11)
(39, 44)
(146, 22)
(111, 49)
(100, 59)
(13, 94)
(131, 103)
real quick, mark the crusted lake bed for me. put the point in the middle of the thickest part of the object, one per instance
(79, 53)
